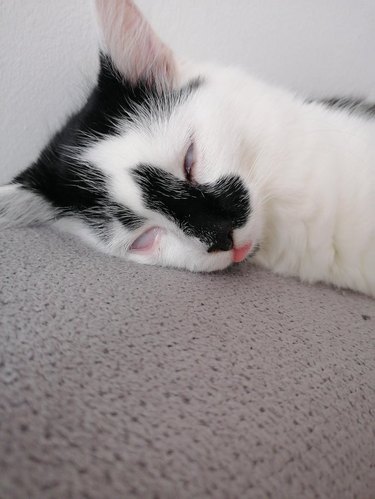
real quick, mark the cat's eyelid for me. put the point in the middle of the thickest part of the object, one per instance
(189, 161)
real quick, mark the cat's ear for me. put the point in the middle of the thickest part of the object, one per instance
(136, 51)
(20, 206)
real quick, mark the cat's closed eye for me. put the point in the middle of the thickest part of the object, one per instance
(189, 163)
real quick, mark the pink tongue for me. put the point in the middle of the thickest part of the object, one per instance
(147, 240)
(239, 254)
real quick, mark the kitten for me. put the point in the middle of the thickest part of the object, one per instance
(197, 166)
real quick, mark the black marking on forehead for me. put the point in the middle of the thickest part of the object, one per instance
(118, 99)
(79, 189)
(115, 99)
(201, 211)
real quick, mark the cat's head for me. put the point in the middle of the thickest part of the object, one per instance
(156, 168)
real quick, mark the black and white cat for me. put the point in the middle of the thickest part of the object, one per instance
(198, 166)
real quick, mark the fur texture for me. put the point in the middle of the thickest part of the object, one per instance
(197, 167)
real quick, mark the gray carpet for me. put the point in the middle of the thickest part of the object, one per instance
(124, 381)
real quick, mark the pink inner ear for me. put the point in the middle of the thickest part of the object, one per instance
(136, 51)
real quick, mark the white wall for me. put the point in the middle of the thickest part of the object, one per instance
(48, 54)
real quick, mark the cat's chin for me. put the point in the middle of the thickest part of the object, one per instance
(213, 264)
(157, 246)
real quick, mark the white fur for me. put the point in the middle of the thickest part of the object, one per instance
(309, 170)
(19, 207)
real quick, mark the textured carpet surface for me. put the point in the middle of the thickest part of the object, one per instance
(124, 381)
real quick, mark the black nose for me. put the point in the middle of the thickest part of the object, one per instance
(223, 241)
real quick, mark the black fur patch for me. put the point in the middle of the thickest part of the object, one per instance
(69, 186)
(209, 212)
(76, 188)
(351, 105)
(126, 216)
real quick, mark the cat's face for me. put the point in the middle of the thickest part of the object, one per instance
(165, 181)
(178, 169)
